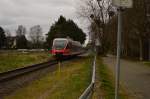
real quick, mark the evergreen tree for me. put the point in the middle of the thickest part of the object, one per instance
(2, 37)
(21, 42)
(65, 28)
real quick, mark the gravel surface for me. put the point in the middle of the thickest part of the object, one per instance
(135, 77)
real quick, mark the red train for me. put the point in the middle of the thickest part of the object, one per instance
(66, 47)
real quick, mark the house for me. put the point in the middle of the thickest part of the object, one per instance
(11, 42)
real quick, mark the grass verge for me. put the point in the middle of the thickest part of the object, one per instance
(69, 83)
(147, 63)
(10, 61)
(107, 82)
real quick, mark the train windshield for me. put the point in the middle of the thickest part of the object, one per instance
(59, 44)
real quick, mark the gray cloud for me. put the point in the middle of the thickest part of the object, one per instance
(5, 21)
(32, 12)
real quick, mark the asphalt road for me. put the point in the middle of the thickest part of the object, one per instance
(135, 77)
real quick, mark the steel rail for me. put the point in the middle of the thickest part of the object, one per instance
(4, 76)
(89, 90)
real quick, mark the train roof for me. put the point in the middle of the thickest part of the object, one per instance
(60, 39)
(69, 40)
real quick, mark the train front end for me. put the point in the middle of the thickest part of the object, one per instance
(59, 47)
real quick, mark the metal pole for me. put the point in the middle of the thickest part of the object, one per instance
(118, 52)
(59, 64)
(149, 49)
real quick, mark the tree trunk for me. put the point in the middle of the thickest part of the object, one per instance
(141, 49)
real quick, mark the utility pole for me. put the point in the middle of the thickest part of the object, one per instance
(120, 4)
(118, 52)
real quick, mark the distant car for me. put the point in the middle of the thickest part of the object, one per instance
(66, 47)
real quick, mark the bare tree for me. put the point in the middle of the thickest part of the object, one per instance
(36, 35)
(7, 33)
(21, 41)
(98, 14)
(21, 30)
(134, 27)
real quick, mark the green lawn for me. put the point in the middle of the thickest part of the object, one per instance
(107, 82)
(10, 61)
(69, 83)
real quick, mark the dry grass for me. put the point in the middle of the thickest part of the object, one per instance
(68, 83)
(147, 63)
(105, 87)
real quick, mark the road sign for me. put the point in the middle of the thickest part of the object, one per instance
(123, 3)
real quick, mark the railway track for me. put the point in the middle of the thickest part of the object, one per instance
(11, 81)
(5, 76)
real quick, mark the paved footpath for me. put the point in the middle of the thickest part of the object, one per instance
(135, 77)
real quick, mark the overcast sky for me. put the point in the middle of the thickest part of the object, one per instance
(33, 12)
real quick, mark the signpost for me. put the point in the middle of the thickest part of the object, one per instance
(59, 68)
(123, 3)
(120, 4)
